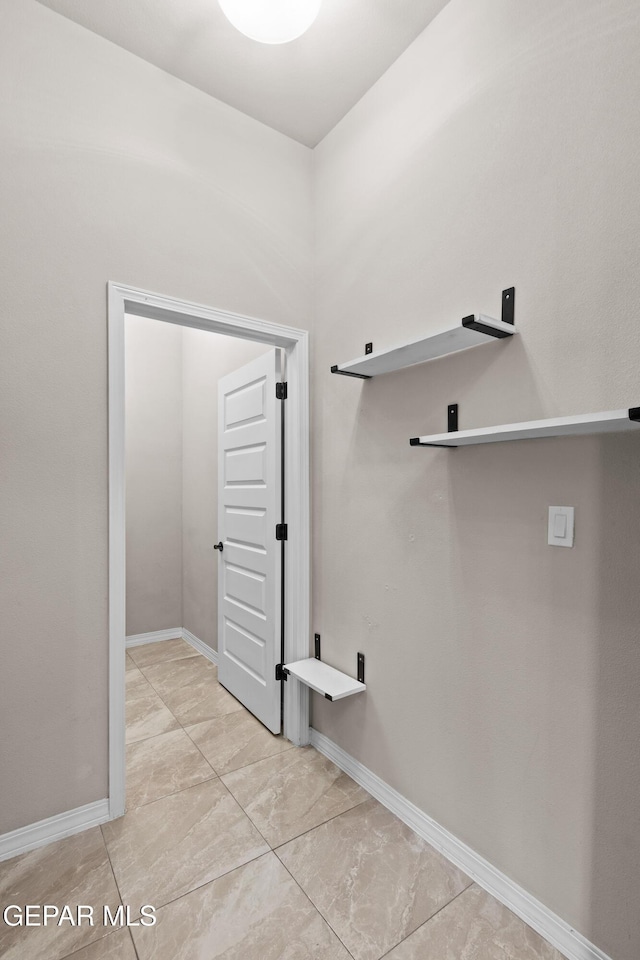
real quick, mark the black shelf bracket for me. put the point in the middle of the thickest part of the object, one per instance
(508, 316)
(634, 414)
(368, 348)
(452, 427)
(509, 305)
(347, 373)
(359, 667)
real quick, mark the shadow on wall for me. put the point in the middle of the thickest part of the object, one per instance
(616, 748)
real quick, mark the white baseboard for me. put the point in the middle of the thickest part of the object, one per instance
(201, 647)
(174, 633)
(53, 828)
(556, 931)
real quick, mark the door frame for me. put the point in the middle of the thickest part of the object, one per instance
(123, 299)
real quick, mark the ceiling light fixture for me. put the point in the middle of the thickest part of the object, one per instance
(271, 21)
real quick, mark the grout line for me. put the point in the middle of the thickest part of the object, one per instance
(133, 943)
(206, 883)
(156, 663)
(186, 732)
(174, 793)
(255, 827)
(251, 763)
(152, 736)
(115, 880)
(428, 920)
(157, 692)
(314, 907)
(92, 943)
(321, 824)
(315, 827)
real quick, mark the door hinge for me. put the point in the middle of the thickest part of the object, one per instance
(281, 390)
(281, 672)
(281, 531)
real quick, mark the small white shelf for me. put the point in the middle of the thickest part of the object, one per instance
(612, 421)
(331, 683)
(472, 332)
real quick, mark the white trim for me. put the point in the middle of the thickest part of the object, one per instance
(124, 299)
(208, 652)
(53, 828)
(117, 554)
(157, 636)
(556, 931)
(175, 633)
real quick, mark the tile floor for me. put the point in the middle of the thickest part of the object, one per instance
(250, 849)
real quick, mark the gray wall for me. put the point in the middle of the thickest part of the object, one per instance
(503, 675)
(172, 376)
(111, 170)
(153, 404)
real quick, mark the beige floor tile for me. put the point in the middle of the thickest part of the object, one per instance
(372, 878)
(254, 913)
(129, 663)
(69, 872)
(148, 717)
(137, 685)
(148, 653)
(293, 792)
(474, 927)
(117, 946)
(236, 740)
(166, 848)
(191, 690)
(163, 765)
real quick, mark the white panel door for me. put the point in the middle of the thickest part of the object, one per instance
(249, 507)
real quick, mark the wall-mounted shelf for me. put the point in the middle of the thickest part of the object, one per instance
(471, 332)
(612, 421)
(331, 683)
(322, 678)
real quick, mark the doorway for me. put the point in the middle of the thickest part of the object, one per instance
(294, 343)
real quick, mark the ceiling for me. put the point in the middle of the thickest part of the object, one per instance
(302, 88)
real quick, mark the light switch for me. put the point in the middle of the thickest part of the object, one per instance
(560, 525)
(560, 532)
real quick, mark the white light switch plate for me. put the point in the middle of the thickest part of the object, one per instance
(560, 533)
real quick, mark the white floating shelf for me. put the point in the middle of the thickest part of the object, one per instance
(331, 683)
(471, 332)
(437, 345)
(612, 421)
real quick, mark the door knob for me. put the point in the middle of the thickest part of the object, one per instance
(219, 546)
